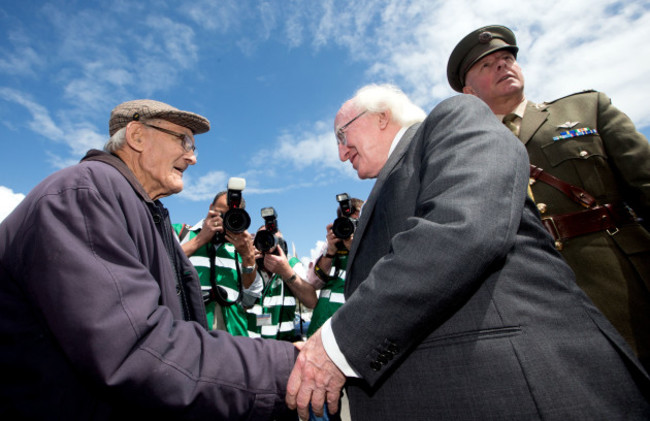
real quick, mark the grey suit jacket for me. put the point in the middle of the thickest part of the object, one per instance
(458, 306)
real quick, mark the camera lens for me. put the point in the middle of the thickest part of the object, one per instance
(343, 227)
(265, 241)
(236, 220)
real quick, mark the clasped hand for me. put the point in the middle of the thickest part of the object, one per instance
(314, 378)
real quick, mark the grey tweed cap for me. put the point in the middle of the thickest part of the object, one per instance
(146, 109)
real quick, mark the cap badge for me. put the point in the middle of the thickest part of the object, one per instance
(484, 37)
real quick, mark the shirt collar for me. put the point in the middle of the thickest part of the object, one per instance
(518, 111)
(396, 140)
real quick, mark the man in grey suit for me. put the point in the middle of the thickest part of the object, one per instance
(457, 304)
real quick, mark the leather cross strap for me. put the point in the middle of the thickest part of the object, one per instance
(594, 219)
(599, 218)
(576, 194)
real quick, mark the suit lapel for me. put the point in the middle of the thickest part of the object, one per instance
(369, 206)
(534, 117)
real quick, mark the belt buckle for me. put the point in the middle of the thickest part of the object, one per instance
(558, 243)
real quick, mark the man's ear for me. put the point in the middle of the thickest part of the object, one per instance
(135, 136)
(384, 119)
(468, 90)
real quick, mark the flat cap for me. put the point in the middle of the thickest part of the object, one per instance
(146, 109)
(475, 46)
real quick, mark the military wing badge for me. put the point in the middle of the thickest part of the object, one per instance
(568, 125)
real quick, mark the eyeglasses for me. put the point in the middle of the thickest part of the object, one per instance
(186, 140)
(340, 132)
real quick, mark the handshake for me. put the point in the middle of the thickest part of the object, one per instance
(315, 379)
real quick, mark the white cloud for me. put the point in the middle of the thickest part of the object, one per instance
(78, 135)
(604, 48)
(41, 122)
(203, 188)
(303, 149)
(222, 16)
(8, 201)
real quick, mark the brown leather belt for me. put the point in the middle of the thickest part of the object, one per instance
(595, 218)
(606, 217)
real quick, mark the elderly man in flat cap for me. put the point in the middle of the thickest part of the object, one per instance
(590, 177)
(101, 314)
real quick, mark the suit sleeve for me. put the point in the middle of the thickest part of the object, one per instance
(630, 152)
(447, 213)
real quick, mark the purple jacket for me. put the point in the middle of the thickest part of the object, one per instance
(101, 314)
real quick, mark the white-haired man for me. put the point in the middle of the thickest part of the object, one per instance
(457, 304)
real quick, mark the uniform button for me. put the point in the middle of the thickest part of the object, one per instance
(382, 358)
(375, 365)
(541, 207)
(584, 154)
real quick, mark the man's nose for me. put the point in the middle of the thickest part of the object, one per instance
(343, 152)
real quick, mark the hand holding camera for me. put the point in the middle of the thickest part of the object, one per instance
(344, 226)
(266, 239)
(236, 219)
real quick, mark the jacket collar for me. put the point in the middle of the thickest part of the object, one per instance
(118, 164)
(534, 117)
(388, 168)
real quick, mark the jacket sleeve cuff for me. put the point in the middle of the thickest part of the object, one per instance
(334, 352)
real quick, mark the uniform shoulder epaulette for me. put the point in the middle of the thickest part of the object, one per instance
(586, 91)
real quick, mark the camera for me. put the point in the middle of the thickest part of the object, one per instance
(266, 240)
(236, 219)
(344, 225)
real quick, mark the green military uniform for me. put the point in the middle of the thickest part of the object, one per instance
(586, 142)
(613, 165)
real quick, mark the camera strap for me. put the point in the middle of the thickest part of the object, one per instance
(184, 231)
(341, 250)
(218, 293)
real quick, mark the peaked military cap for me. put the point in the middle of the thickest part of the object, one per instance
(475, 46)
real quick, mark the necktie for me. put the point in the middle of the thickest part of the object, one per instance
(509, 121)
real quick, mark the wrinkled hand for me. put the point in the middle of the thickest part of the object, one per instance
(314, 378)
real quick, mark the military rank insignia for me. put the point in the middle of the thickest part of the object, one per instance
(575, 133)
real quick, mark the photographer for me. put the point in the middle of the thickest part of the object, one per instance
(327, 271)
(272, 317)
(229, 273)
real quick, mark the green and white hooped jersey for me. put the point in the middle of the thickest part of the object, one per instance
(234, 316)
(331, 296)
(273, 318)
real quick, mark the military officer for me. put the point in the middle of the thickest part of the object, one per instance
(590, 177)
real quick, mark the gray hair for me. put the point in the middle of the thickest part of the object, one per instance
(379, 98)
(115, 142)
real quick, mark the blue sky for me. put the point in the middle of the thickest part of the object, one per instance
(270, 76)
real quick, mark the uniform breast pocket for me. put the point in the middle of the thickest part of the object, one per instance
(583, 162)
(583, 148)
